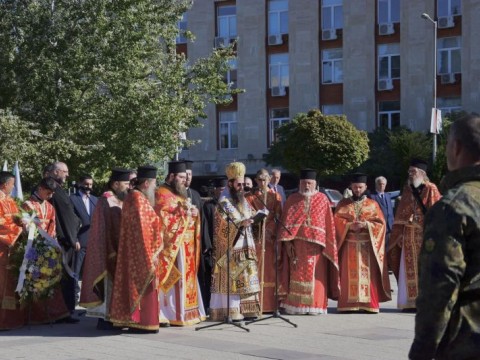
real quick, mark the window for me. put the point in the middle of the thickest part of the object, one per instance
(227, 21)
(182, 27)
(334, 109)
(389, 114)
(332, 14)
(277, 17)
(449, 7)
(228, 129)
(449, 58)
(278, 69)
(231, 76)
(449, 105)
(389, 61)
(278, 117)
(332, 66)
(388, 11)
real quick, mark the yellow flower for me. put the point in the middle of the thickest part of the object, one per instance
(54, 255)
(43, 269)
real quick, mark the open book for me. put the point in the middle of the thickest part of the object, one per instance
(260, 215)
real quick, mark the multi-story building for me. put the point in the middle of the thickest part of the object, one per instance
(372, 60)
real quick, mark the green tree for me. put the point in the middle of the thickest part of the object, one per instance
(330, 144)
(104, 78)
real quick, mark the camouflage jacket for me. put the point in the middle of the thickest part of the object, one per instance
(447, 324)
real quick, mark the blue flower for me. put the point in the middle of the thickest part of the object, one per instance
(52, 263)
(32, 254)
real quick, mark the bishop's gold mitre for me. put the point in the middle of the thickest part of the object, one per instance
(235, 170)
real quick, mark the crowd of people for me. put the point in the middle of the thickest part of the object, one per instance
(154, 256)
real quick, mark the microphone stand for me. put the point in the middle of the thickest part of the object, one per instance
(276, 314)
(228, 318)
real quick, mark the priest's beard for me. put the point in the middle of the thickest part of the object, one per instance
(359, 197)
(416, 182)
(179, 188)
(238, 197)
(150, 194)
(121, 194)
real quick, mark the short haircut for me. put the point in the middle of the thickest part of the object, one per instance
(48, 184)
(56, 165)
(380, 178)
(47, 169)
(276, 171)
(85, 177)
(467, 130)
(5, 176)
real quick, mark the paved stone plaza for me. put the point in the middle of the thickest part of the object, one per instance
(385, 336)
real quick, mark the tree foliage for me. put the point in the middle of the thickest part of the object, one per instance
(330, 144)
(101, 81)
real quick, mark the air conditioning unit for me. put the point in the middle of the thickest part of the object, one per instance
(386, 29)
(385, 84)
(275, 39)
(211, 167)
(278, 91)
(446, 22)
(447, 78)
(329, 34)
(221, 42)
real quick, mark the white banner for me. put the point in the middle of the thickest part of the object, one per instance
(436, 121)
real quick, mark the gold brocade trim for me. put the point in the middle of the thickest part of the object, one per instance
(250, 307)
(174, 254)
(100, 278)
(149, 279)
(131, 324)
(301, 287)
(300, 299)
(220, 314)
(9, 303)
(172, 279)
(357, 308)
(187, 323)
(90, 304)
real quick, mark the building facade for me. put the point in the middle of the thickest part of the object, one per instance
(372, 60)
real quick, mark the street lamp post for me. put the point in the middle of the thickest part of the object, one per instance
(435, 24)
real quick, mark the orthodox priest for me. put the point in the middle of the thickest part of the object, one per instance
(54, 308)
(309, 239)
(180, 296)
(360, 228)
(11, 315)
(418, 195)
(135, 296)
(265, 234)
(101, 258)
(233, 220)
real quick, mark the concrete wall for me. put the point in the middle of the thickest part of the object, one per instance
(470, 55)
(358, 63)
(304, 55)
(416, 64)
(252, 76)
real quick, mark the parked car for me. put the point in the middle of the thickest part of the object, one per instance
(334, 196)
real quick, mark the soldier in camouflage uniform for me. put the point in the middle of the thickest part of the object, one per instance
(447, 324)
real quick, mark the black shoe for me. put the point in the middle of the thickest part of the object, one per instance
(250, 318)
(164, 325)
(142, 331)
(67, 320)
(105, 325)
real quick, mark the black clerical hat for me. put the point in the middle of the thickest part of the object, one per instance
(147, 172)
(188, 164)
(358, 178)
(220, 182)
(419, 163)
(175, 167)
(119, 174)
(308, 174)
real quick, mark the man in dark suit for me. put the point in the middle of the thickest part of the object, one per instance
(274, 184)
(67, 233)
(385, 201)
(83, 204)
